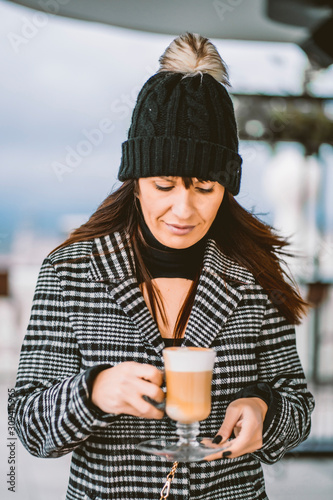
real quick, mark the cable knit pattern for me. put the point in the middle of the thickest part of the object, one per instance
(183, 126)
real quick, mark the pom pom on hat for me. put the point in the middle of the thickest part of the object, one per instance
(192, 54)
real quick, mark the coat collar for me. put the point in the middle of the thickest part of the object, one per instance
(112, 260)
(220, 289)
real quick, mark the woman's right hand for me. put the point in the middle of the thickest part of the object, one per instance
(120, 389)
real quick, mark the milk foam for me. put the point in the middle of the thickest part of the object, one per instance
(185, 359)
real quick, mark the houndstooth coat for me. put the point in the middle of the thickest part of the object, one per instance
(88, 310)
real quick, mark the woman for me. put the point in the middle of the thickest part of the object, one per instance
(169, 258)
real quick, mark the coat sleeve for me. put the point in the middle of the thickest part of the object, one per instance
(280, 369)
(51, 406)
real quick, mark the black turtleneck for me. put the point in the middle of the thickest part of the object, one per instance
(166, 262)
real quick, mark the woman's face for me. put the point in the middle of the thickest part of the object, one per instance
(178, 216)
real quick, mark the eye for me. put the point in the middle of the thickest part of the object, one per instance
(202, 190)
(163, 188)
(204, 186)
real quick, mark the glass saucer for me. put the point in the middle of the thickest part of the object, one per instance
(172, 449)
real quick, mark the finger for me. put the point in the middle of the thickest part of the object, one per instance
(145, 410)
(149, 373)
(159, 406)
(150, 390)
(159, 395)
(232, 417)
(156, 397)
(225, 453)
(231, 450)
(239, 449)
(135, 407)
(242, 446)
(237, 430)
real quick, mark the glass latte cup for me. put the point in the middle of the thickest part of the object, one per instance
(188, 375)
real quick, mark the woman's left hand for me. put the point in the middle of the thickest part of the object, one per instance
(244, 417)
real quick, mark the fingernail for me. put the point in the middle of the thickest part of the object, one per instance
(226, 454)
(217, 439)
(159, 406)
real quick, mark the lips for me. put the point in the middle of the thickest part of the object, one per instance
(179, 229)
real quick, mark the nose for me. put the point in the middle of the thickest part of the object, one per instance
(182, 206)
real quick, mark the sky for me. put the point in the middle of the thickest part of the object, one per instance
(67, 90)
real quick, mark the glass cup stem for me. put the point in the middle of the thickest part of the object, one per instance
(187, 434)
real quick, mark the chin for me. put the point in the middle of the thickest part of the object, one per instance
(180, 242)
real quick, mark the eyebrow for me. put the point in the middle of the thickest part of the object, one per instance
(167, 178)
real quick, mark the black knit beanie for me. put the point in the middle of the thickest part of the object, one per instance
(183, 124)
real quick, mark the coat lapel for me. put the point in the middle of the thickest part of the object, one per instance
(113, 263)
(219, 290)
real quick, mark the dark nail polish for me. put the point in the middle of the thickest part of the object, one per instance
(226, 454)
(217, 439)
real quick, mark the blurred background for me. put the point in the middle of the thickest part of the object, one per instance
(70, 74)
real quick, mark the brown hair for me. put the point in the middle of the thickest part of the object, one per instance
(238, 233)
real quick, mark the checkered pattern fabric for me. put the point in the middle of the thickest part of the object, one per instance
(87, 311)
